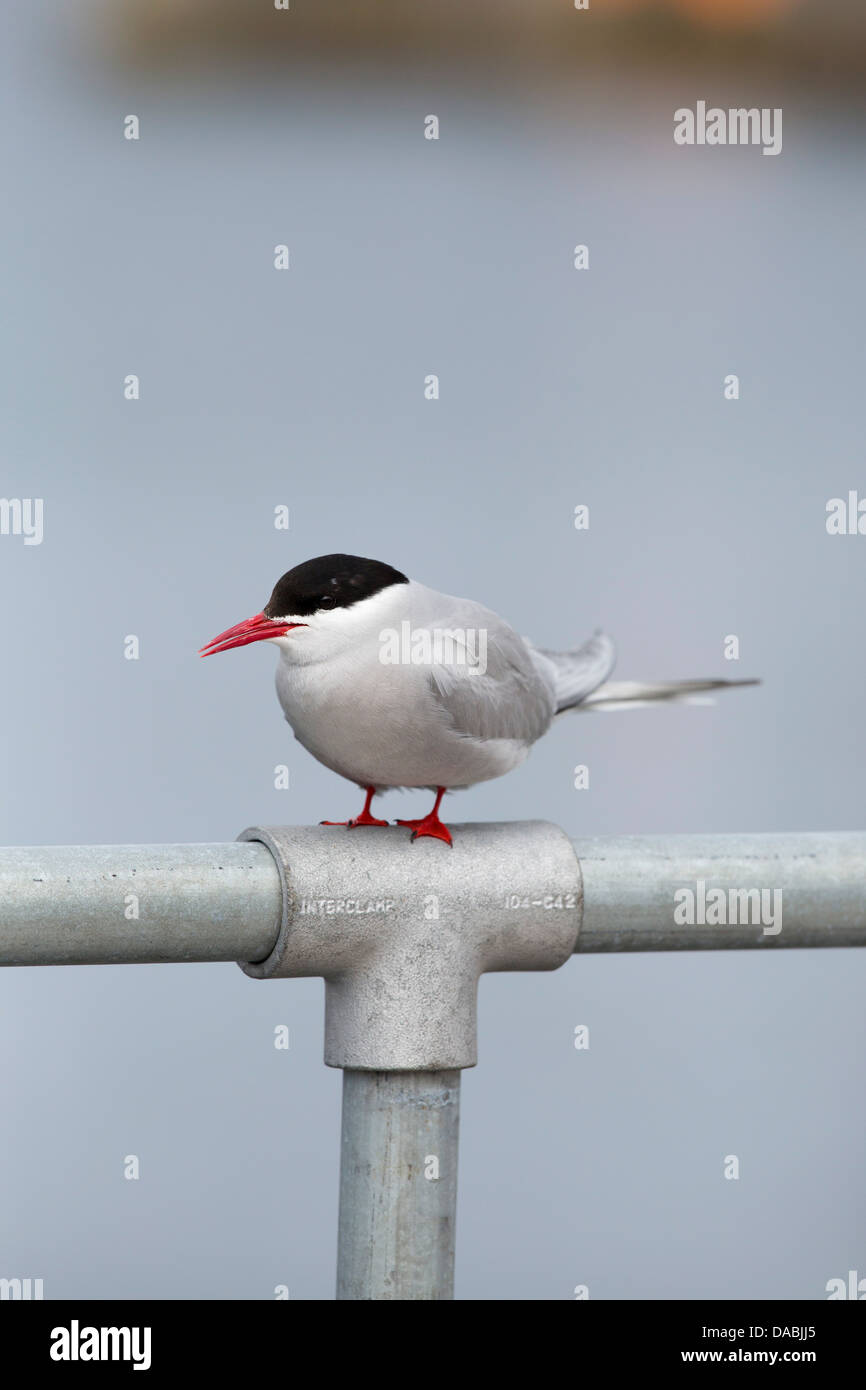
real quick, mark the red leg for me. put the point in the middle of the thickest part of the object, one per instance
(364, 819)
(430, 824)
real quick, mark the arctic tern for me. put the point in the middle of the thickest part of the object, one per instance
(391, 684)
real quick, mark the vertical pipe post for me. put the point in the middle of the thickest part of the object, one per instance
(398, 1185)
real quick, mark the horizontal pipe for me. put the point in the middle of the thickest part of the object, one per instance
(640, 891)
(135, 904)
(77, 905)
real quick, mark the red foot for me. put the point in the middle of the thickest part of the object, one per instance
(430, 824)
(364, 819)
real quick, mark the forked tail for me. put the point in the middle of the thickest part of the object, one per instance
(613, 695)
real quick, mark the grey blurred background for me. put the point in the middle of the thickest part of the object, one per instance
(558, 387)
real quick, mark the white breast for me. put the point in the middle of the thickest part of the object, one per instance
(381, 725)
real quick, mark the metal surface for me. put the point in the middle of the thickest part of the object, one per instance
(398, 1185)
(630, 883)
(77, 905)
(402, 931)
(69, 905)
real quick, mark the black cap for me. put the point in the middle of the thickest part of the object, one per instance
(329, 581)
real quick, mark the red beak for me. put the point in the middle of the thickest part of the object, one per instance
(255, 629)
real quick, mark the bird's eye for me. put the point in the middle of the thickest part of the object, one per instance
(327, 601)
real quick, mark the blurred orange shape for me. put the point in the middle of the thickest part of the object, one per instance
(728, 14)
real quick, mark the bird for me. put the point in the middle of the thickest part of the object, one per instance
(392, 684)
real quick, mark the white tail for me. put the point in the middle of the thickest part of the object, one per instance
(613, 695)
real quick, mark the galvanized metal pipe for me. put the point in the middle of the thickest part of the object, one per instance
(398, 1185)
(71, 905)
(401, 933)
(136, 904)
(635, 887)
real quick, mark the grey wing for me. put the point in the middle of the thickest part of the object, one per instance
(494, 687)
